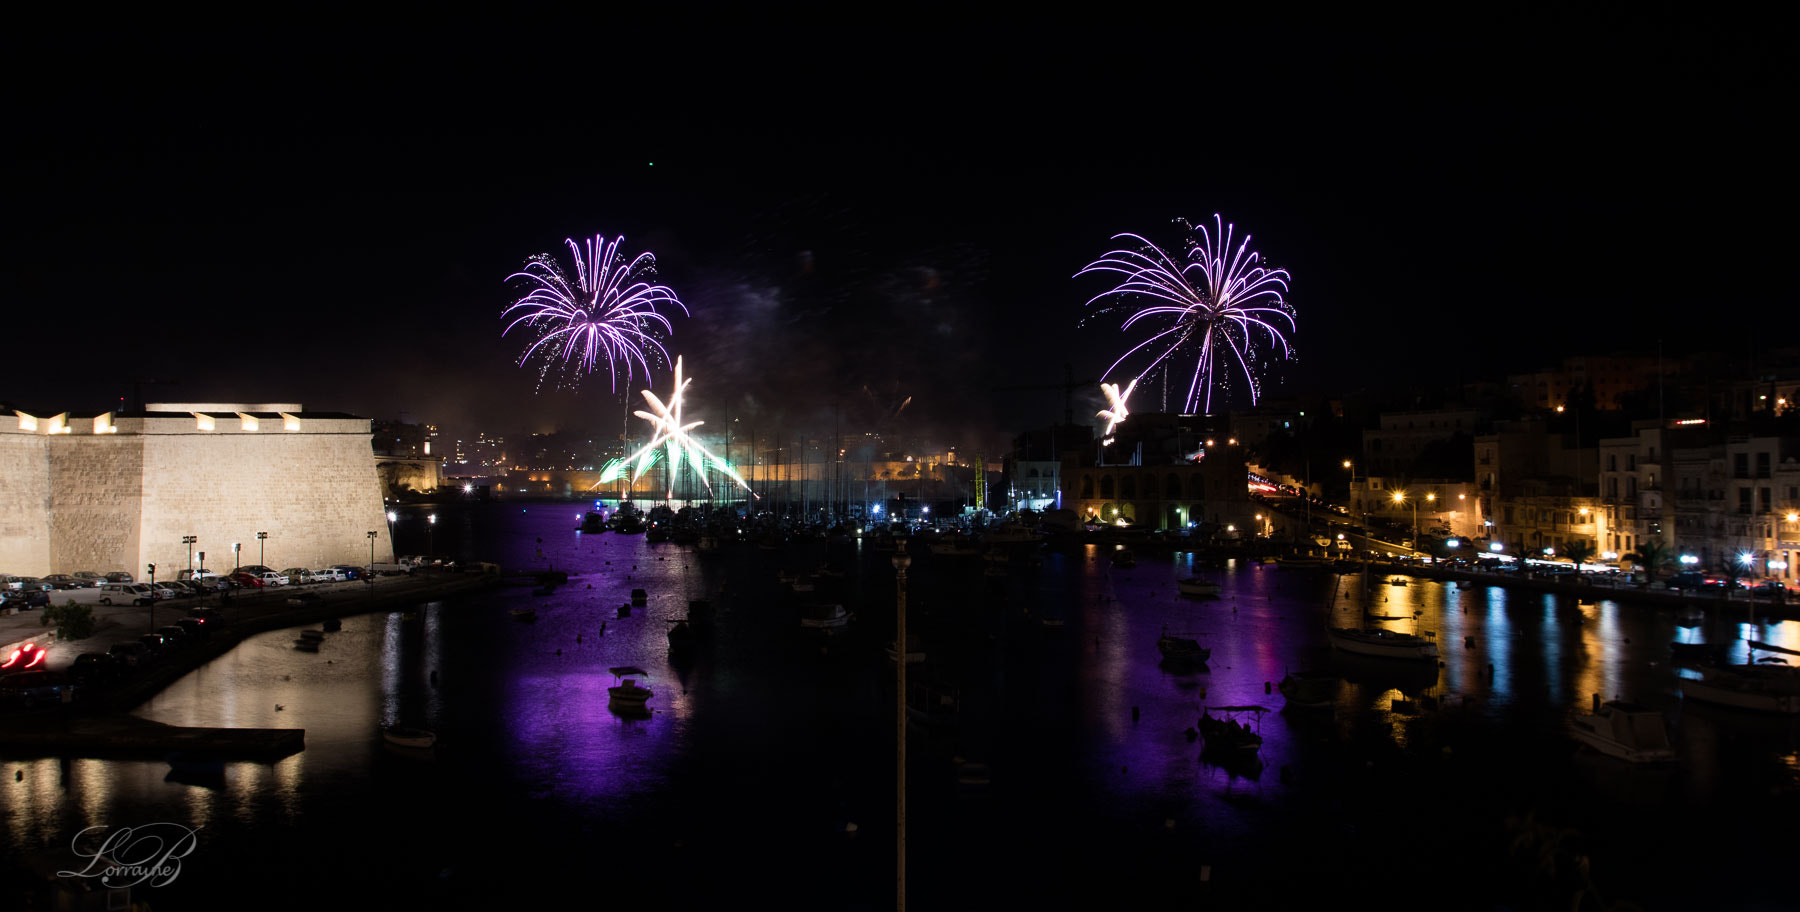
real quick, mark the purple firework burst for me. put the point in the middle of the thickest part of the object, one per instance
(1216, 305)
(605, 312)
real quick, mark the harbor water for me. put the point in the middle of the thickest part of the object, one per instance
(1051, 762)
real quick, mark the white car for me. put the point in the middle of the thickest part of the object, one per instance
(300, 575)
(272, 578)
(330, 575)
(126, 594)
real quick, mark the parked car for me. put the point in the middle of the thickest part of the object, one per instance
(91, 668)
(119, 576)
(299, 575)
(168, 590)
(211, 617)
(24, 599)
(195, 628)
(246, 580)
(126, 594)
(155, 644)
(197, 574)
(174, 635)
(31, 689)
(32, 582)
(63, 581)
(350, 571)
(130, 655)
(257, 569)
(329, 575)
(88, 578)
(272, 578)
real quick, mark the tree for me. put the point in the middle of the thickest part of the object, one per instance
(72, 621)
(1580, 551)
(1651, 554)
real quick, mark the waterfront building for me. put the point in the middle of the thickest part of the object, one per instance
(1403, 439)
(120, 490)
(1631, 489)
(1162, 471)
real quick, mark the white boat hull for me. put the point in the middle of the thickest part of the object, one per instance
(1613, 748)
(1758, 700)
(841, 619)
(1395, 649)
(1197, 587)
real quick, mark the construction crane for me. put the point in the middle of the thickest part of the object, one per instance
(1068, 386)
(137, 390)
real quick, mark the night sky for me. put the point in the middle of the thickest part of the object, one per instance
(861, 215)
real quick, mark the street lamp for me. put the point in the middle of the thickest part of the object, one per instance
(430, 537)
(152, 568)
(189, 541)
(262, 556)
(1400, 498)
(372, 561)
(901, 562)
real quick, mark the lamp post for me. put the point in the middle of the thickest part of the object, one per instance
(237, 556)
(901, 561)
(262, 553)
(1400, 498)
(189, 541)
(152, 568)
(430, 536)
(372, 561)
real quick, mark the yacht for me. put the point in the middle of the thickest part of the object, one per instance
(1386, 644)
(1624, 730)
(1764, 688)
(1194, 585)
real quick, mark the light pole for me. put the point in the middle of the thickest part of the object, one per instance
(189, 541)
(430, 536)
(372, 561)
(901, 561)
(262, 554)
(237, 557)
(391, 516)
(1400, 498)
(152, 568)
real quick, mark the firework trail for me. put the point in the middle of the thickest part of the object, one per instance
(672, 433)
(606, 311)
(1211, 306)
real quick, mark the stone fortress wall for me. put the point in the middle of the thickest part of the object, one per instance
(117, 492)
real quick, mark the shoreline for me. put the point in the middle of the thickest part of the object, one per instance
(103, 726)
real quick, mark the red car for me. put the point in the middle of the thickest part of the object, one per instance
(246, 580)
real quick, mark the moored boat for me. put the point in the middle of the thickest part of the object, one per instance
(402, 736)
(1174, 647)
(1764, 688)
(1624, 730)
(1387, 644)
(524, 614)
(1228, 734)
(915, 651)
(1194, 585)
(824, 616)
(626, 696)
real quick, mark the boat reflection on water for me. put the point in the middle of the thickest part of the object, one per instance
(1378, 674)
(1641, 785)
